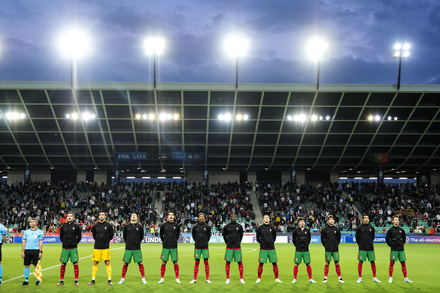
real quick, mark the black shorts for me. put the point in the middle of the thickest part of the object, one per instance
(31, 257)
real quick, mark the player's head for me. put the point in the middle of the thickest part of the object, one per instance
(201, 218)
(330, 220)
(301, 222)
(171, 216)
(33, 223)
(133, 218)
(101, 217)
(233, 217)
(395, 220)
(366, 219)
(70, 217)
(266, 219)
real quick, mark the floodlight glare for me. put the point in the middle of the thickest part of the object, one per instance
(144, 116)
(75, 44)
(302, 117)
(151, 116)
(395, 118)
(227, 117)
(236, 46)
(67, 116)
(390, 118)
(320, 117)
(74, 116)
(397, 46)
(86, 116)
(169, 116)
(22, 116)
(289, 118)
(377, 118)
(370, 118)
(405, 54)
(154, 46)
(318, 48)
(138, 116)
(163, 116)
(175, 116)
(245, 117)
(92, 116)
(220, 117)
(327, 117)
(239, 117)
(314, 117)
(406, 47)
(295, 117)
(396, 55)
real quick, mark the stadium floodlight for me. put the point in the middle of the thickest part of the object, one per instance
(390, 118)
(175, 116)
(295, 117)
(74, 44)
(236, 47)
(314, 117)
(220, 117)
(138, 116)
(86, 116)
(239, 117)
(399, 52)
(144, 116)
(151, 116)
(289, 118)
(302, 118)
(68, 116)
(163, 116)
(370, 118)
(395, 118)
(318, 49)
(245, 117)
(74, 116)
(321, 117)
(377, 118)
(327, 117)
(15, 115)
(155, 47)
(227, 117)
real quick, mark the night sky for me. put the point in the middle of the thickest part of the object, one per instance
(360, 36)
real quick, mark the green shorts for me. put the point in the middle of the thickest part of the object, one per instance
(329, 255)
(398, 256)
(135, 254)
(233, 255)
(268, 254)
(166, 254)
(299, 256)
(364, 255)
(69, 253)
(198, 253)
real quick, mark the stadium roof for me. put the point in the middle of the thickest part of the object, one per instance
(267, 139)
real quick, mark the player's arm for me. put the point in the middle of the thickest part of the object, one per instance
(111, 233)
(310, 237)
(323, 237)
(161, 232)
(373, 233)
(274, 234)
(387, 238)
(225, 234)
(78, 235)
(258, 234)
(142, 233)
(241, 234)
(193, 233)
(404, 236)
(124, 234)
(61, 234)
(22, 247)
(93, 231)
(293, 237)
(209, 233)
(357, 236)
(339, 236)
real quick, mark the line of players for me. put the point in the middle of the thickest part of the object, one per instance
(102, 231)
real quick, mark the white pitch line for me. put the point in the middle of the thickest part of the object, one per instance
(52, 267)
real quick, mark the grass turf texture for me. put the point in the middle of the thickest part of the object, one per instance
(423, 268)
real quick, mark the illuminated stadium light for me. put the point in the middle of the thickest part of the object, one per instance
(321, 117)
(388, 178)
(400, 51)
(138, 116)
(302, 118)
(15, 116)
(327, 117)
(295, 117)
(146, 177)
(74, 116)
(289, 118)
(370, 118)
(75, 44)
(358, 178)
(144, 116)
(161, 177)
(403, 178)
(151, 116)
(220, 117)
(163, 116)
(395, 118)
(390, 118)
(227, 117)
(131, 177)
(245, 117)
(239, 117)
(314, 117)
(343, 178)
(318, 48)
(68, 116)
(377, 118)
(154, 46)
(175, 116)
(87, 116)
(236, 46)
(177, 177)
(373, 178)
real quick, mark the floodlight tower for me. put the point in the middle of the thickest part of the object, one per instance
(318, 49)
(400, 51)
(154, 46)
(236, 47)
(74, 45)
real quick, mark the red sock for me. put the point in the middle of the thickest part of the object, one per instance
(207, 269)
(162, 271)
(260, 270)
(76, 270)
(196, 269)
(373, 268)
(176, 270)
(338, 270)
(326, 271)
(405, 273)
(124, 271)
(62, 272)
(309, 272)
(275, 270)
(295, 272)
(228, 268)
(360, 269)
(391, 268)
(240, 268)
(142, 270)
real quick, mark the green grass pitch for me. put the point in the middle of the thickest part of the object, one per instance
(423, 268)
